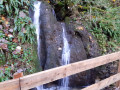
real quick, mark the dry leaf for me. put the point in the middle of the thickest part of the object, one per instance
(80, 28)
(3, 18)
(3, 46)
(90, 37)
(15, 40)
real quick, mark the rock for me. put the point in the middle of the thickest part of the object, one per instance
(79, 53)
(22, 14)
(82, 45)
(52, 31)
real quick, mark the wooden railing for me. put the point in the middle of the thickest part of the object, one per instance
(40, 78)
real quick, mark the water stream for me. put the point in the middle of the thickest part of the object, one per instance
(37, 24)
(65, 56)
(66, 49)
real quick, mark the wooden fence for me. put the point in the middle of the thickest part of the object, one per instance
(40, 78)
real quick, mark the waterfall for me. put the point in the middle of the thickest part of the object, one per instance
(65, 56)
(37, 24)
(66, 49)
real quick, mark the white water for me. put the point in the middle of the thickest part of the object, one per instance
(37, 24)
(65, 56)
(66, 49)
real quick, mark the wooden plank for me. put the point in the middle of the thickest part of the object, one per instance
(118, 83)
(50, 75)
(10, 85)
(104, 83)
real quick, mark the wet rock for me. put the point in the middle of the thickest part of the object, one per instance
(50, 37)
(82, 45)
(79, 42)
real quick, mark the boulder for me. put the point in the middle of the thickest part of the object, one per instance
(82, 45)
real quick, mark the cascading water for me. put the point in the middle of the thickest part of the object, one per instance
(65, 56)
(66, 49)
(37, 23)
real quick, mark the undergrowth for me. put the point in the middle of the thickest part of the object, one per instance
(101, 18)
(17, 39)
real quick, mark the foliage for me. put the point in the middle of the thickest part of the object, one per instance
(12, 7)
(5, 75)
(17, 36)
(101, 17)
(28, 30)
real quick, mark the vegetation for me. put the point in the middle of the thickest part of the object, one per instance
(100, 17)
(17, 35)
(103, 21)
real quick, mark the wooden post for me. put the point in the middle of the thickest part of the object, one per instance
(118, 83)
(17, 75)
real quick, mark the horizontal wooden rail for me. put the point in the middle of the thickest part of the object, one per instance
(50, 75)
(10, 85)
(104, 83)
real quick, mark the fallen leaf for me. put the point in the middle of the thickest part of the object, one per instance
(80, 28)
(90, 37)
(113, 0)
(4, 46)
(3, 18)
(15, 40)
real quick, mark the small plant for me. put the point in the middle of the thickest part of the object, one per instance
(5, 75)
(101, 18)
(17, 33)
(13, 7)
(25, 29)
